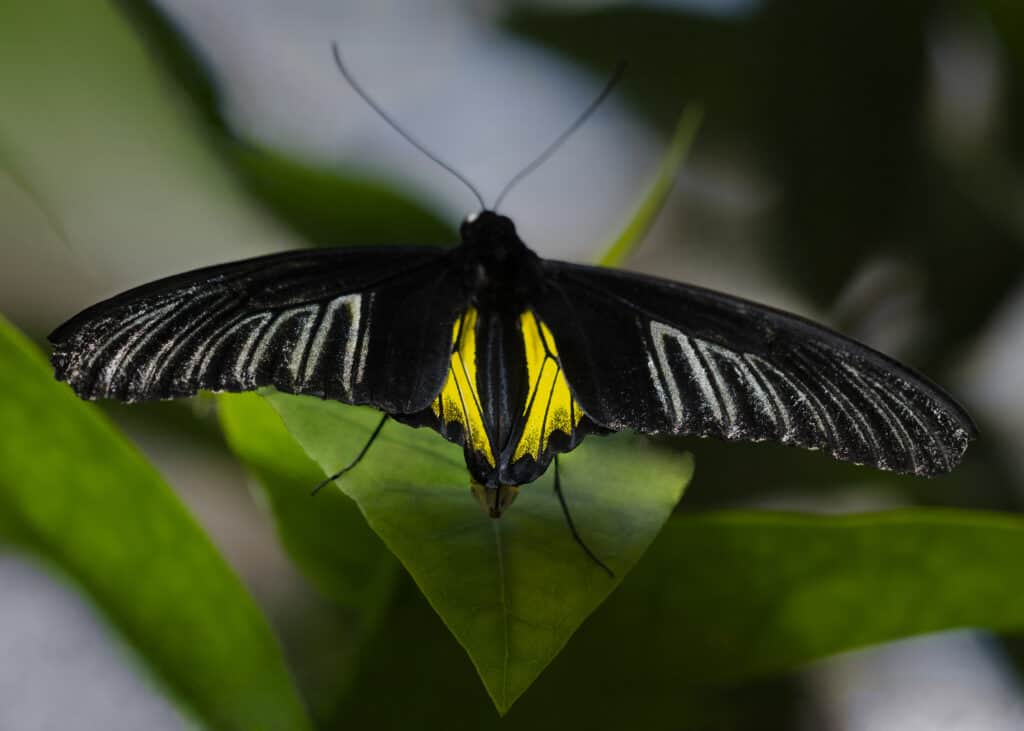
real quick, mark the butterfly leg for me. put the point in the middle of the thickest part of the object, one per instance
(353, 463)
(572, 526)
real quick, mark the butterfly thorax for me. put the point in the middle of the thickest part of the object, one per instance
(501, 272)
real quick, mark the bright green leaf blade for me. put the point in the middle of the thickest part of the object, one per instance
(511, 591)
(80, 496)
(654, 198)
(325, 535)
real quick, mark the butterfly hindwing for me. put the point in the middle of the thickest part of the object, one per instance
(657, 356)
(363, 326)
(505, 399)
(551, 421)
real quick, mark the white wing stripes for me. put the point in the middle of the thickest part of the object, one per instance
(185, 343)
(363, 349)
(315, 353)
(319, 327)
(825, 428)
(130, 336)
(708, 369)
(299, 349)
(723, 378)
(797, 397)
(662, 371)
(707, 359)
(895, 426)
(767, 399)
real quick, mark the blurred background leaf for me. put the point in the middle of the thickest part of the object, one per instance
(79, 496)
(326, 207)
(656, 195)
(831, 103)
(777, 590)
(1007, 18)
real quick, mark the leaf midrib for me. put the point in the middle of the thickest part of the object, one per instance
(504, 615)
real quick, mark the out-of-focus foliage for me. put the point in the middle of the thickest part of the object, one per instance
(74, 492)
(1007, 18)
(831, 101)
(654, 198)
(331, 209)
(327, 207)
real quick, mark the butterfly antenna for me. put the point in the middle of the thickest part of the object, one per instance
(394, 125)
(620, 67)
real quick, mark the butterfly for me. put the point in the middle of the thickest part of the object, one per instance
(514, 357)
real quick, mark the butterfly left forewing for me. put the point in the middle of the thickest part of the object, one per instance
(660, 357)
(354, 325)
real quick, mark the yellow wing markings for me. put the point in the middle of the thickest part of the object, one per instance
(451, 404)
(558, 411)
(550, 406)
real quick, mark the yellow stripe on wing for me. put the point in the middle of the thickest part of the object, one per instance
(459, 400)
(549, 406)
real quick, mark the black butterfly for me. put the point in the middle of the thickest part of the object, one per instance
(515, 357)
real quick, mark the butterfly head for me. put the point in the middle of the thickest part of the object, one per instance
(496, 258)
(494, 500)
(487, 228)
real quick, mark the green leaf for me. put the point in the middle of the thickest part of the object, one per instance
(723, 598)
(325, 535)
(655, 196)
(77, 494)
(572, 694)
(511, 591)
(773, 591)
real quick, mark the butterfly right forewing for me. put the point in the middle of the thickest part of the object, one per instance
(655, 356)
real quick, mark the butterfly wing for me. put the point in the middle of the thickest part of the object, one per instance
(362, 326)
(657, 356)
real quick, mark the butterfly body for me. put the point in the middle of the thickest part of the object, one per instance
(505, 398)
